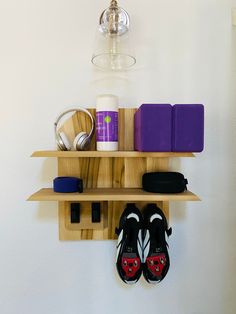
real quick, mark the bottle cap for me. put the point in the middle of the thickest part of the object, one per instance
(107, 102)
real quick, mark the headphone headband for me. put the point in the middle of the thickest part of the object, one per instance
(78, 109)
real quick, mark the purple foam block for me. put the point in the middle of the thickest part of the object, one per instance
(153, 128)
(188, 128)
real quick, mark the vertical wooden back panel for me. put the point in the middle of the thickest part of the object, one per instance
(126, 129)
(105, 173)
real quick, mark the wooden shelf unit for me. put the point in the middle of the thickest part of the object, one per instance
(111, 178)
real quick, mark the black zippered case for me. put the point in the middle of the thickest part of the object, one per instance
(164, 182)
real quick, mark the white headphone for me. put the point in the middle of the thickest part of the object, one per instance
(81, 141)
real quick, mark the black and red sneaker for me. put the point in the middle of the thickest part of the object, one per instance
(129, 247)
(156, 260)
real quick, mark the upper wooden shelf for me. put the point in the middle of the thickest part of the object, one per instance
(109, 194)
(124, 154)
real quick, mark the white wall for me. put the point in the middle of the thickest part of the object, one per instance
(186, 52)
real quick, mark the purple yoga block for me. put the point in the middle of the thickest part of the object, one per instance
(153, 128)
(188, 128)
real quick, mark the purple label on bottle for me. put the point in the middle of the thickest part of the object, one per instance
(107, 126)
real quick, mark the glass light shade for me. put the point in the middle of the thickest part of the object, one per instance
(113, 48)
(113, 52)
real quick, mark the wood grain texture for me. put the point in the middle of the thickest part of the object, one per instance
(86, 230)
(134, 170)
(126, 127)
(85, 217)
(110, 194)
(99, 154)
(157, 164)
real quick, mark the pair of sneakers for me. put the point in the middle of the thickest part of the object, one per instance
(142, 245)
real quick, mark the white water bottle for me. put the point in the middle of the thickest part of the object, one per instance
(107, 122)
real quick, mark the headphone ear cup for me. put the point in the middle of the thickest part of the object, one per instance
(63, 142)
(81, 141)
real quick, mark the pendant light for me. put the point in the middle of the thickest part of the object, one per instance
(113, 50)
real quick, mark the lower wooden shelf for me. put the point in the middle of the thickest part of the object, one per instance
(109, 194)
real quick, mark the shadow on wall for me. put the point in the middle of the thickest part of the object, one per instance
(231, 138)
(228, 194)
(47, 211)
